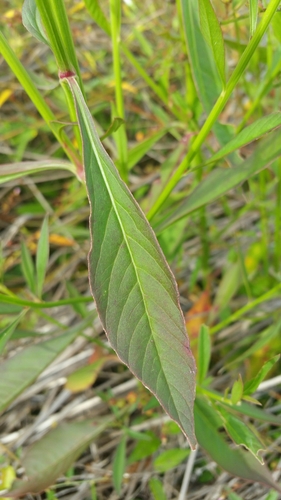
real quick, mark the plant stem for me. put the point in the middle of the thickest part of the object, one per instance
(43, 305)
(218, 107)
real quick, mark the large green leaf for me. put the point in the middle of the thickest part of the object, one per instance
(221, 180)
(20, 371)
(135, 292)
(236, 461)
(52, 455)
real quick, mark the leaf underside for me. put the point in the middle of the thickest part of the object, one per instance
(133, 287)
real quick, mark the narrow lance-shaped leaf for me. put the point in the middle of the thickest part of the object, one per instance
(135, 292)
(254, 7)
(97, 14)
(248, 134)
(212, 33)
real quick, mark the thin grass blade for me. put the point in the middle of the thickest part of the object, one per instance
(28, 269)
(248, 134)
(134, 290)
(254, 8)
(212, 33)
(94, 8)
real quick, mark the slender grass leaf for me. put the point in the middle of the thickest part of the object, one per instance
(241, 434)
(11, 171)
(212, 33)
(42, 256)
(205, 73)
(204, 353)
(254, 8)
(236, 461)
(119, 463)
(265, 338)
(222, 180)
(52, 455)
(31, 20)
(8, 331)
(134, 290)
(94, 8)
(248, 134)
(20, 371)
(28, 269)
(204, 70)
(157, 489)
(170, 459)
(252, 385)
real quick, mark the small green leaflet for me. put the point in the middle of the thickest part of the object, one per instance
(133, 287)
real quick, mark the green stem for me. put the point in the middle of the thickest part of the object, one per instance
(43, 305)
(218, 107)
